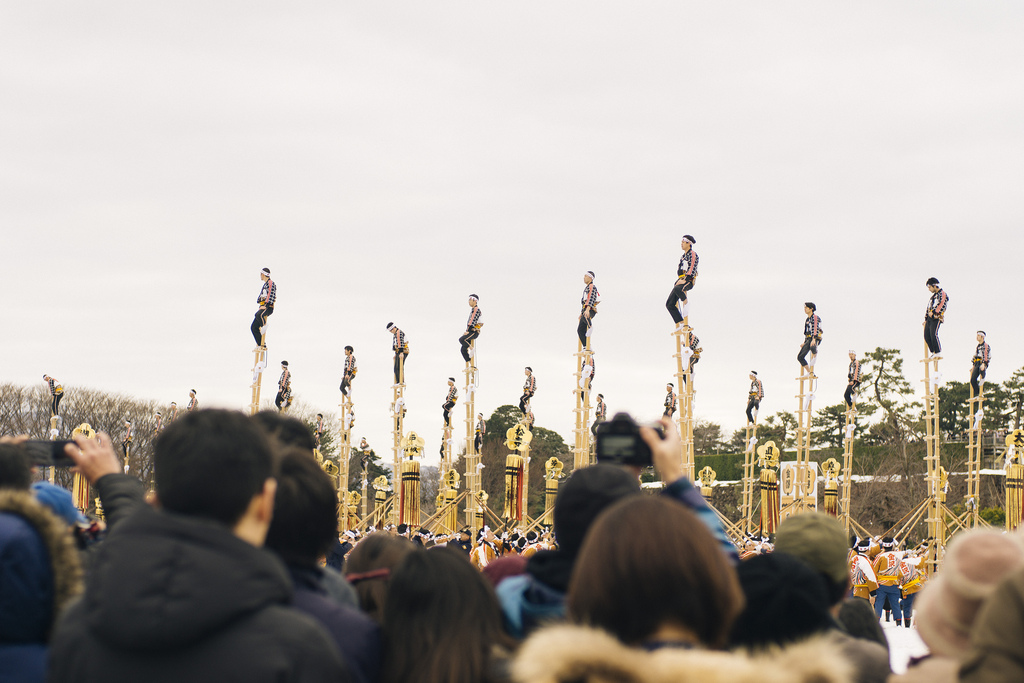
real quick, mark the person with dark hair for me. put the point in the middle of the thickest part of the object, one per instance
(284, 430)
(539, 594)
(853, 380)
(686, 277)
(442, 623)
(449, 403)
(401, 348)
(934, 316)
(266, 300)
(369, 567)
(186, 592)
(887, 571)
(634, 550)
(671, 401)
(40, 572)
(591, 298)
(812, 336)
(600, 412)
(473, 326)
(284, 386)
(819, 541)
(754, 398)
(193, 402)
(979, 364)
(56, 394)
(304, 527)
(529, 389)
(349, 373)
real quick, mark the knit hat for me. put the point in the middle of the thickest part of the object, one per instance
(584, 495)
(817, 539)
(59, 501)
(975, 563)
(787, 601)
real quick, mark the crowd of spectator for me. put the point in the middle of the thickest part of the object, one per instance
(232, 569)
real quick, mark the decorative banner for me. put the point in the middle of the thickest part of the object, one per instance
(452, 479)
(412, 445)
(768, 454)
(409, 495)
(1014, 496)
(831, 470)
(79, 485)
(518, 438)
(787, 483)
(769, 487)
(707, 477)
(513, 487)
(450, 517)
(481, 497)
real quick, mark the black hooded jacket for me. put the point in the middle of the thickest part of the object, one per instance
(174, 598)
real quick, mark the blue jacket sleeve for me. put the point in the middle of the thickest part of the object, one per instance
(685, 492)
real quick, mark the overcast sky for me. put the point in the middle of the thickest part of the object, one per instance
(387, 159)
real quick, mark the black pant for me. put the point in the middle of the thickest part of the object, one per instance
(55, 404)
(478, 442)
(848, 396)
(447, 409)
(931, 334)
(258, 321)
(751, 406)
(465, 340)
(593, 427)
(124, 447)
(346, 382)
(678, 294)
(279, 399)
(977, 374)
(810, 346)
(400, 365)
(584, 327)
(523, 400)
(669, 412)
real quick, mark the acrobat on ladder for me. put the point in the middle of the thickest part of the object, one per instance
(678, 306)
(975, 405)
(754, 397)
(266, 300)
(474, 428)
(584, 370)
(936, 527)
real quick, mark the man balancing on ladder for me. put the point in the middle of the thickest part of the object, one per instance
(686, 276)
(349, 373)
(591, 298)
(473, 326)
(266, 300)
(934, 316)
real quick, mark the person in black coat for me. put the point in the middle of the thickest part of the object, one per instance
(187, 592)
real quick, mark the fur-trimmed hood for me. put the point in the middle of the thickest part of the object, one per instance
(563, 653)
(55, 588)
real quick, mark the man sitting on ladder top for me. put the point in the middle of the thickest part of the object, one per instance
(266, 301)
(686, 276)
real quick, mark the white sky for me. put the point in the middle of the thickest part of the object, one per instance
(387, 159)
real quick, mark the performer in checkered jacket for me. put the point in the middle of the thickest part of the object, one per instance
(350, 371)
(529, 389)
(401, 348)
(671, 401)
(449, 402)
(934, 316)
(266, 301)
(686, 276)
(754, 398)
(982, 355)
(473, 326)
(284, 385)
(318, 430)
(591, 298)
(694, 352)
(56, 394)
(812, 334)
(852, 380)
(193, 402)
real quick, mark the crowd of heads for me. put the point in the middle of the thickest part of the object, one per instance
(627, 585)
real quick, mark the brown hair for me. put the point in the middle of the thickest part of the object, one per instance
(649, 561)
(442, 622)
(379, 550)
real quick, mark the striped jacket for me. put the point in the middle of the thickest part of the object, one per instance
(812, 327)
(192, 404)
(591, 297)
(982, 353)
(474, 319)
(670, 400)
(268, 295)
(599, 411)
(530, 386)
(853, 374)
(350, 365)
(453, 394)
(688, 265)
(55, 387)
(401, 344)
(286, 380)
(756, 390)
(937, 304)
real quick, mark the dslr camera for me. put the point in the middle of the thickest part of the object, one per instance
(619, 442)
